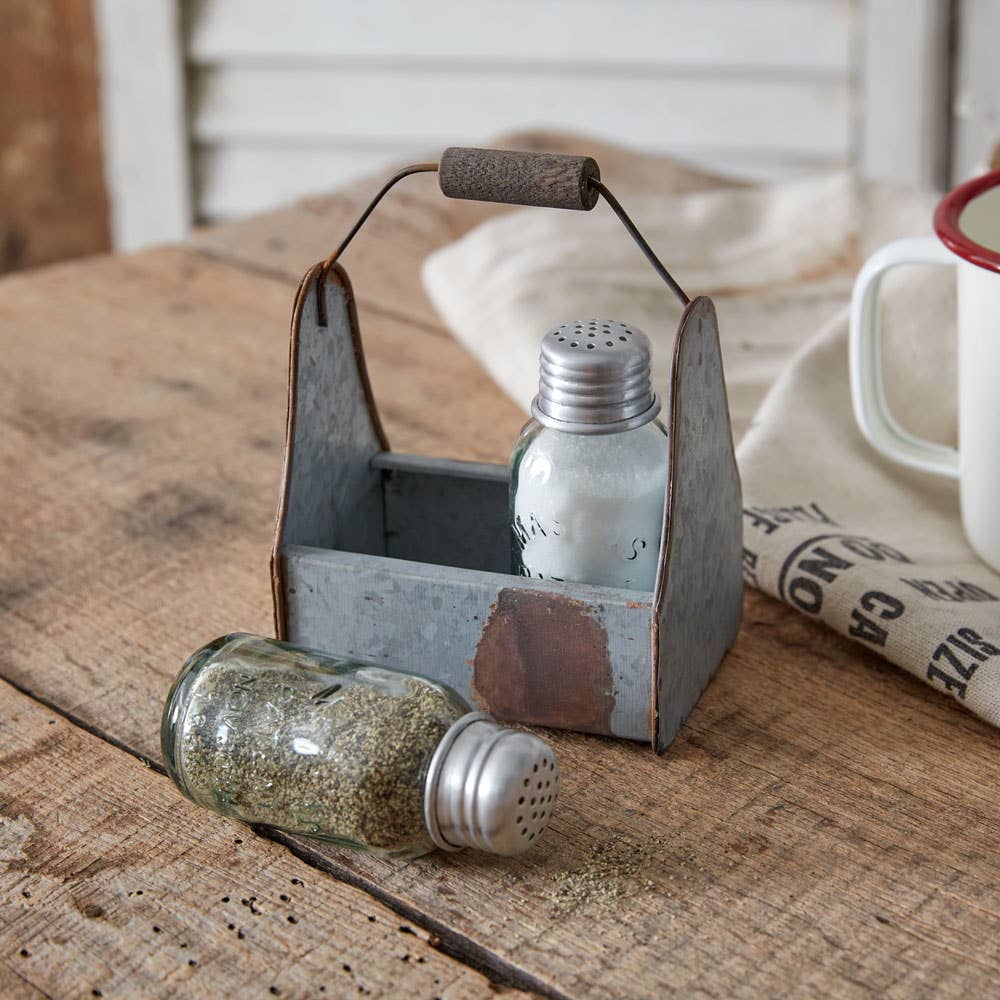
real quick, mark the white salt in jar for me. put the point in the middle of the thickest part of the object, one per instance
(589, 472)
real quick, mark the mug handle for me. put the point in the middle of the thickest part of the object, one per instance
(867, 387)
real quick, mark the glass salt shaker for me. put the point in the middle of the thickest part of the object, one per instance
(589, 471)
(367, 757)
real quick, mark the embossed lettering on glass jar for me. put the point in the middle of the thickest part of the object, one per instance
(589, 471)
(351, 752)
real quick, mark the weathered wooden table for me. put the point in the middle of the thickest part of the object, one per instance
(823, 825)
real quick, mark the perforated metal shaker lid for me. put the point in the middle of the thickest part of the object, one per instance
(489, 788)
(594, 378)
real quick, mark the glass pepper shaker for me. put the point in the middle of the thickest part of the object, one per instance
(589, 471)
(364, 756)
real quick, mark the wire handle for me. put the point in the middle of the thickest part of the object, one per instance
(548, 180)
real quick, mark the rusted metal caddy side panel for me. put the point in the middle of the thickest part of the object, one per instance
(699, 594)
(330, 494)
(572, 657)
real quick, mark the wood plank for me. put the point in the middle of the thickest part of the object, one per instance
(144, 120)
(691, 33)
(14, 987)
(905, 83)
(235, 179)
(52, 179)
(112, 884)
(439, 108)
(976, 104)
(824, 824)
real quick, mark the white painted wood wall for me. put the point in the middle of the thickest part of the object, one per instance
(976, 123)
(289, 98)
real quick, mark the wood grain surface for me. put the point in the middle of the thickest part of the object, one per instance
(114, 886)
(52, 195)
(823, 825)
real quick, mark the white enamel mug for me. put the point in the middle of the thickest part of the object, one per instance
(967, 224)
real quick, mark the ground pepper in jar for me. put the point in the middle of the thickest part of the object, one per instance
(347, 751)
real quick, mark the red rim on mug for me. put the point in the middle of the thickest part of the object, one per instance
(948, 213)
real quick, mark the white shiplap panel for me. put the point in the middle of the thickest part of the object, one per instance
(905, 75)
(976, 111)
(437, 107)
(143, 123)
(235, 180)
(772, 35)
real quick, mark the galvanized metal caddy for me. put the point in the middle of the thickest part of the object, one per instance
(406, 559)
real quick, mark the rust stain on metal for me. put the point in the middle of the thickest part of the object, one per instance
(543, 659)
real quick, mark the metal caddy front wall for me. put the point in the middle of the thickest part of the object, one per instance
(405, 560)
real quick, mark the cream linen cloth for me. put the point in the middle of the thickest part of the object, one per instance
(831, 528)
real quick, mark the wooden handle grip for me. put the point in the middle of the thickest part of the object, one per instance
(548, 180)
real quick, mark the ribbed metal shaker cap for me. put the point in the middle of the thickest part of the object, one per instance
(489, 788)
(595, 378)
